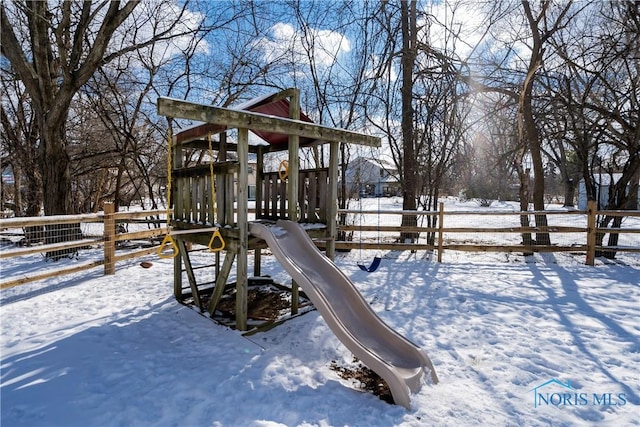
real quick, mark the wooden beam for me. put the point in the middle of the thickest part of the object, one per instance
(221, 280)
(292, 184)
(294, 156)
(332, 216)
(259, 183)
(46, 220)
(51, 273)
(176, 190)
(592, 207)
(51, 247)
(182, 249)
(109, 238)
(176, 108)
(242, 284)
(201, 144)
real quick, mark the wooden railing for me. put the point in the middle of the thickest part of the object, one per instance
(313, 203)
(568, 231)
(471, 231)
(192, 194)
(108, 231)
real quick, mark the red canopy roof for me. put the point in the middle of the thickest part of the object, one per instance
(263, 105)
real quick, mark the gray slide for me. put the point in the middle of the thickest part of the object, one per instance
(397, 360)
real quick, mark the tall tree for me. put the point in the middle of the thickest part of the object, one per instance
(19, 134)
(55, 47)
(542, 26)
(53, 62)
(409, 28)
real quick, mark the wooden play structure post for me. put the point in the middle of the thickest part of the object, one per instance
(109, 238)
(242, 282)
(176, 162)
(332, 216)
(294, 158)
(440, 231)
(293, 184)
(592, 207)
(303, 195)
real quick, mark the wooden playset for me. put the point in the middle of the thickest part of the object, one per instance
(210, 196)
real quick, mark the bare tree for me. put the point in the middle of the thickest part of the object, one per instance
(393, 67)
(561, 127)
(542, 24)
(594, 91)
(19, 141)
(409, 31)
(613, 102)
(55, 48)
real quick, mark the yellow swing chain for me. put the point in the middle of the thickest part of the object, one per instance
(168, 247)
(216, 244)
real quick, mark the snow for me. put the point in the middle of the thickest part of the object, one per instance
(93, 350)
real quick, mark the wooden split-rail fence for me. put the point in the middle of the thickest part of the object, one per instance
(569, 231)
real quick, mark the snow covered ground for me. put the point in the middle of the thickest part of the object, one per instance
(93, 350)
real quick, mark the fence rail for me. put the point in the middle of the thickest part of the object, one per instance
(492, 231)
(571, 230)
(105, 233)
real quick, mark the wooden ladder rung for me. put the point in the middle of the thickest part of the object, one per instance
(199, 267)
(200, 285)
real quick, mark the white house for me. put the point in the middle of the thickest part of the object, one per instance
(372, 177)
(603, 184)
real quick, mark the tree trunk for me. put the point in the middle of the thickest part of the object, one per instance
(623, 195)
(569, 192)
(523, 191)
(33, 202)
(56, 181)
(18, 208)
(527, 127)
(409, 175)
(56, 177)
(117, 197)
(530, 138)
(613, 239)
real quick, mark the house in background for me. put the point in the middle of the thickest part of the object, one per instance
(603, 185)
(368, 177)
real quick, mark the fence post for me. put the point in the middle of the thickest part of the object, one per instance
(591, 232)
(109, 238)
(440, 230)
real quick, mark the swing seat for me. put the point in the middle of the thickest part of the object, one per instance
(373, 267)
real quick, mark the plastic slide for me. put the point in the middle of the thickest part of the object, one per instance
(397, 360)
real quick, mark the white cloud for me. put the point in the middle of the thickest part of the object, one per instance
(153, 17)
(323, 47)
(468, 20)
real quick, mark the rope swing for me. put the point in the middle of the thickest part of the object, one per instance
(377, 259)
(216, 243)
(168, 248)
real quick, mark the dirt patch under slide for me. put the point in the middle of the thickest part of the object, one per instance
(364, 379)
(268, 304)
(263, 303)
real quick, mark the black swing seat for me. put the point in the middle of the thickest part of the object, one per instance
(373, 267)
